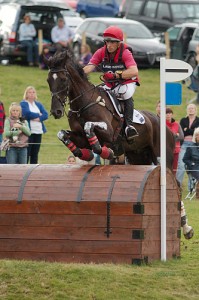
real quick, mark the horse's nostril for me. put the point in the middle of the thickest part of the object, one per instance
(59, 113)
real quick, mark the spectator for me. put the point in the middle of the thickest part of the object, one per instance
(188, 125)
(17, 131)
(97, 159)
(2, 120)
(61, 35)
(191, 157)
(34, 112)
(178, 134)
(158, 108)
(85, 54)
(26, 34)
(46, 52)
(71, 159)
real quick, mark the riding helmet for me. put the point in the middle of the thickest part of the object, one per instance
(113, 33)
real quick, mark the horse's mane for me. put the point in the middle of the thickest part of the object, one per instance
(66, 59)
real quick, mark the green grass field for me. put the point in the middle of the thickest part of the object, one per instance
(14, 80)
(22, 280)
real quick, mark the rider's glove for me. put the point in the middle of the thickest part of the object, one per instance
(109, 76)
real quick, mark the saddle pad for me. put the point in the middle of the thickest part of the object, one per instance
(137, 116)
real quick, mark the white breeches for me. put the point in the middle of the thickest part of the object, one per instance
(124, 91)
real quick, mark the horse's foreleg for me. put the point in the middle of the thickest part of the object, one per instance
(187, 230)
(103, 151)
(83, 154)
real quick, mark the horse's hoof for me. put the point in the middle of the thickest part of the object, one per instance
(111, 154)
(63, 135)
(188, 235)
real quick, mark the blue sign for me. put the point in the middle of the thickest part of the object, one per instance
(173, 93)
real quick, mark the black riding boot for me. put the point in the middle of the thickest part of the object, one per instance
(130, 130)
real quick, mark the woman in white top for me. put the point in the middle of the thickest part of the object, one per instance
(35, 113)
(188, 125)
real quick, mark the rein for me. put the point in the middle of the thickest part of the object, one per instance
(56, 94)
(63, 103)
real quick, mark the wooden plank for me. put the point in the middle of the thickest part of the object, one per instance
(82, 233)
(68, 246)
(71, 258)
(134, 221)
(82, 208)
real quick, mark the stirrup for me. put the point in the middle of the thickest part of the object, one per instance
(131, 132)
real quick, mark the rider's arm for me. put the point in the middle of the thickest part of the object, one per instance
(89, 68)
(94, 61)
(129, 73)
(131, 66)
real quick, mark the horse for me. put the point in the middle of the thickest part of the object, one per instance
(95, 124)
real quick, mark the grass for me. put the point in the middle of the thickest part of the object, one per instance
(24, 280)
(171, 280)
(14, 80)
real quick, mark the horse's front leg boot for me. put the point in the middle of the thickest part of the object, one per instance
(94, 143)
(107, 153)
(86, 155)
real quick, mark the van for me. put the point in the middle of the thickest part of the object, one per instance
(98, 8)
(43, 16)
(159, 15)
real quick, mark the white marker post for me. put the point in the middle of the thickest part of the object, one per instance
(170, 70)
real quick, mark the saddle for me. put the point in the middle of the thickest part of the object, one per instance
(137, 116)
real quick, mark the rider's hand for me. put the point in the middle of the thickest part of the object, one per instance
(109, 76)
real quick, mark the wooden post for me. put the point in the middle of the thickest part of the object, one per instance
(84, 38)
(40, 40)
(124, 37)
(167, 43)
(197, 54)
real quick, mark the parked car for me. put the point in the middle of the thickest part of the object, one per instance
(43, 17)
(184, 38)
(71, 3)
(159, 15)
(98, 8)
(147, 49)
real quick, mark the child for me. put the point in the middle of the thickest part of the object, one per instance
(71, 159)
(47, 54)
(17, 131)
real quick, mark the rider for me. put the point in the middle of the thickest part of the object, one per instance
(120, 72)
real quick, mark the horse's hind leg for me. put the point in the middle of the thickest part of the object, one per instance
(83, 154)
(103, 151)
(187, 230)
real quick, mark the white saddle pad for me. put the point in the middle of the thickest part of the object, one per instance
(137, 116)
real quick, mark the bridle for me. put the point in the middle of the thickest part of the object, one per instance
(56, 94)
(63, 103)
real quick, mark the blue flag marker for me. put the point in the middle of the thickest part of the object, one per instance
(173, 93)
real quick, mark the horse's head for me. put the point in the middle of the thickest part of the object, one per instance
(59, 81)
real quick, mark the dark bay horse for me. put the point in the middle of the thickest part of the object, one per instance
(95, 125)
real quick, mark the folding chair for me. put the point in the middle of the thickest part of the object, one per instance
(192, 189)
